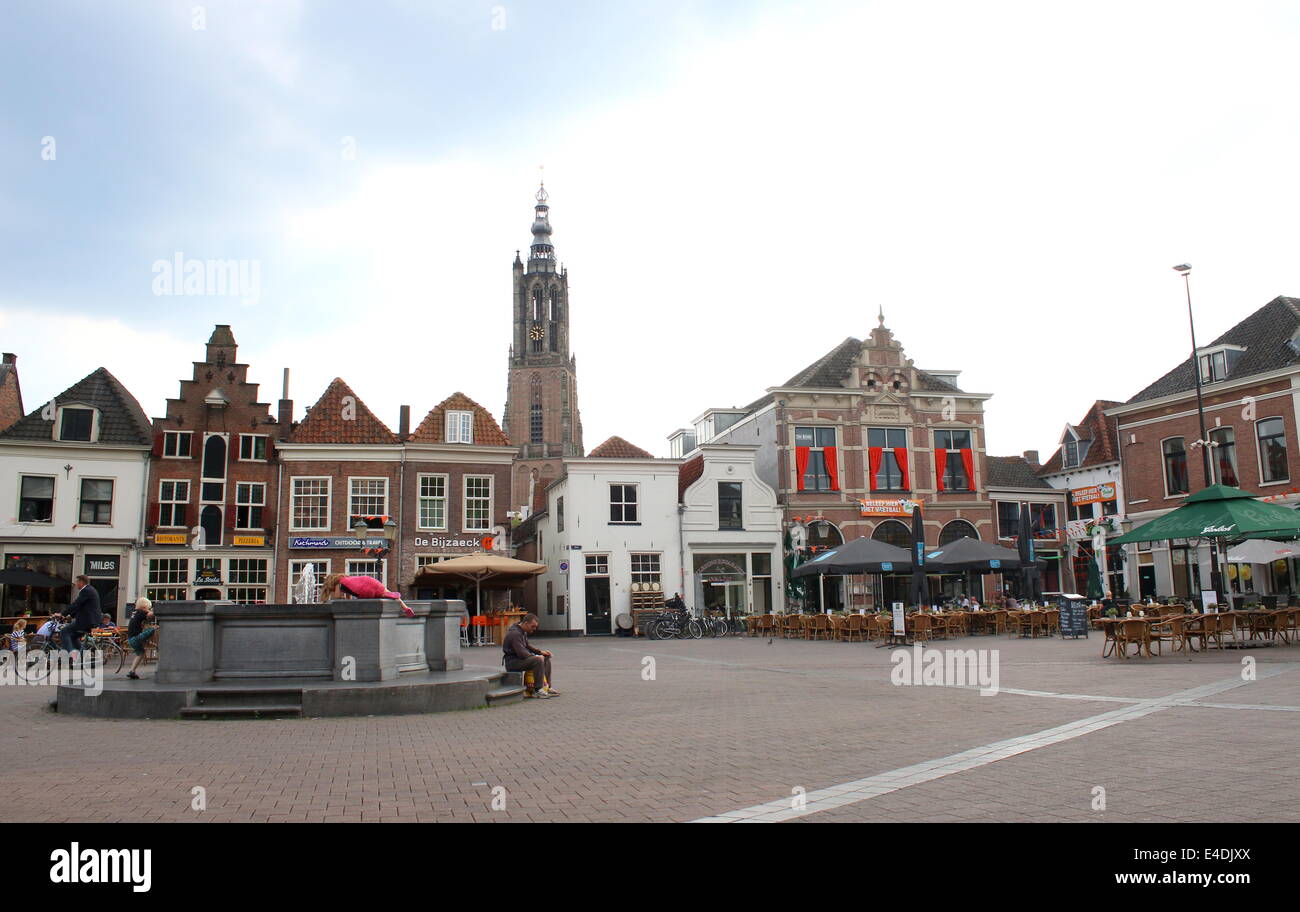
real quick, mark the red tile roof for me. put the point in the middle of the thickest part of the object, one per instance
(618, 448)
(433, 429)
(1096, 427)
(326, 421)
(688, 473)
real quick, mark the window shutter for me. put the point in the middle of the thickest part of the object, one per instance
(230, 516)
(270, 449)
(196, 447)
(158, 445)
(154, 513)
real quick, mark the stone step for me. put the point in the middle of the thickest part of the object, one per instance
(219, 698)
(503, 695)
(242, 712)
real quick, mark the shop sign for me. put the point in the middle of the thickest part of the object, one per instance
(207, 578)
(720, 570)
(101, 564)
(171, 538)
(249, 541)
(1097, 493)
(336, 542)
(895, 507)
(474, 543)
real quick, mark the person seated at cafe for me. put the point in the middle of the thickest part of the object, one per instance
(18, 636)
(108, 623)
(338, 586)
(521, 656)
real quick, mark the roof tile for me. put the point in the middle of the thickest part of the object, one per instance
(333, 419)
(121, 419)
(433, 429)
(618, 448)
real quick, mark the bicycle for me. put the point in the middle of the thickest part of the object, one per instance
(674, 624)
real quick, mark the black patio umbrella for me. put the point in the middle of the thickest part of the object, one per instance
(862, 555)
(1028, 562)
(21, 576)
(920, 588)
(972, 554)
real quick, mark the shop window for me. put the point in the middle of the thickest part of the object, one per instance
(245, 571)
(816, 459)
(1272, 450)
(956, 530)
(1042, 519)
(887, 459)
(645, 569)
(954, 460)
(893, 532)
(1175, 457)
(36, 499)
(729, 506)
(168, 571)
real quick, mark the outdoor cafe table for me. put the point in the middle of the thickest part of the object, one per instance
(1108, 623)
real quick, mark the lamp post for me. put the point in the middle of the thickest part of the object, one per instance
(1185, 270)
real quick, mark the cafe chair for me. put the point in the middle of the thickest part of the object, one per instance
(1170, 630)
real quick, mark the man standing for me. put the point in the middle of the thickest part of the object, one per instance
(520, 655)
(85, 612)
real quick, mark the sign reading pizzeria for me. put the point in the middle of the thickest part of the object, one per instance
(896, 507)
(1098, 493)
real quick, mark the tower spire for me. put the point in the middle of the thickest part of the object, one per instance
(541, 256)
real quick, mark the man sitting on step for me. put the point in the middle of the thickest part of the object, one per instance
(522, 656)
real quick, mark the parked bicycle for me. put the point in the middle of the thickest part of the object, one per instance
(674, 623)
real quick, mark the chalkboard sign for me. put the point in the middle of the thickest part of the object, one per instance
(1074, 616)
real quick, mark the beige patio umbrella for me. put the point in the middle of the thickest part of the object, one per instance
(480, 567)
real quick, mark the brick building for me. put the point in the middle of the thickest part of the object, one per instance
(1014, 486)
(1251, 391)
(859, 437)
(211, 516)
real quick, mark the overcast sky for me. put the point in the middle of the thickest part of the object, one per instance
(735, 188)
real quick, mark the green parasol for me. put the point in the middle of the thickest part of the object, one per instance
(1218, 511)
(1094, 579)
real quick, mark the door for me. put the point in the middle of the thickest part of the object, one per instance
(598, 605)
(1146, 582)
(107, 589)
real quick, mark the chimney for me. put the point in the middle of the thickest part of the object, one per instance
(1031, 457)
(10, 358)
(284, 410)
(404, 422)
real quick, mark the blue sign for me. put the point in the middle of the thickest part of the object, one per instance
(920, 554)
(886, 567)
(994, 564)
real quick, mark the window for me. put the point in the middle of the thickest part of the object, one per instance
(1079, 511)
(1008, 519)
(248, 571)
(432, 506)
(535, 424)
(372, 568)
(168, 571)
(1071, 455)
(598, 565)
(368, 500)
(559, 515)
(214, 457)
(1214, 367)
(645, 568)
(957, 530)
(76, 423)
(893, 532)
(460, 427)
(1042, 519)
(246, 595)
(36, 499)
(729, 506)
(249, 500)
(1110, 507)
(1272, 450)
(96, 501)
(1175, 466)
(887, 458)
(954, 460)
(165, 594)
(622, 503)
(816, 465)
(173, 503)
(310, 507)
(478, 503)
(176, 444)
(1224, 456)
(252, 447)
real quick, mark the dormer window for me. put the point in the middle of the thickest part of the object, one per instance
(1216, 364)
(76, 424)
(1071, 457)
(460, 427)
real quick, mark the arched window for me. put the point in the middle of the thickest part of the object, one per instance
(537, 304)
(956, 529)
(214, 458)
(210, 522)
(893, 532)
(556, 307)
(824, 534)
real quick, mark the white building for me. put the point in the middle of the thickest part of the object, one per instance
(72, 494)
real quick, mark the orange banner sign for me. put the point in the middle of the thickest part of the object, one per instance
(899, 507)
(1092, 494)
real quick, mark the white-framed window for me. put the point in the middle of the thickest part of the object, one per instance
(377, 569)
(309, 507)
(819, 472)
(460, 427)
(252, 447)
(431, 513)
(96, 502)
(423, 561)
(169, 571)
(176, 444)
(320, 569)
(246, 595)
(247, 571)
(165, 593)
(77, 423)
(1175, 466)
(622, 503)
(367, 497)
(645, 568)
(173, 503)
(597, 564)
(1270, 433)
(36, 499)
(250, 500)
(478, 503)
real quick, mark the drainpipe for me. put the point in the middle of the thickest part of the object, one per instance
(681, 552)
(279, 527)
(137, 565)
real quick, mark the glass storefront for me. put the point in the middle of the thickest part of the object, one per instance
(734, 584)
(20, 600)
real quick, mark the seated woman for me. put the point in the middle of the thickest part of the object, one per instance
(337, 585)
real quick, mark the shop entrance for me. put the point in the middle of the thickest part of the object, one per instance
(107, 589)
(725, 596)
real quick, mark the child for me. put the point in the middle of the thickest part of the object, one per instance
(136, 634)
(18, 637)
(337, 585)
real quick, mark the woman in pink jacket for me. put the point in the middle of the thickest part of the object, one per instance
(337, 585)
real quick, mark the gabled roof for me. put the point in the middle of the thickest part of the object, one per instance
(1098, 429)
(433, 429)
(688, 473)
(1264, 334)
(334, 420)
(121, 419)
(618, 448)
(1013, 472)
(833, 368)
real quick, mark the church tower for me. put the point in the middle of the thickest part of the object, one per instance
(541, 415)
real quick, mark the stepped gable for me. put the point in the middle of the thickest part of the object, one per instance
(325, 421)
(433, 429)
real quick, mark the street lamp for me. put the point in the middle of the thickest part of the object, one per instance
(1185, 270)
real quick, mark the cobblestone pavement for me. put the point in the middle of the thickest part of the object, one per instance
(726, 727)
